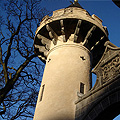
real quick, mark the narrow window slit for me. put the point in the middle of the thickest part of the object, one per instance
(82, 87)
(43, 87)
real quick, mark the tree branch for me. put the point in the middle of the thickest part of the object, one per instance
(4, 109)
(1, 61)
(9, 49)
(11, 82)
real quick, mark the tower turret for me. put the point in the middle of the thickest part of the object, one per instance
(70, 42)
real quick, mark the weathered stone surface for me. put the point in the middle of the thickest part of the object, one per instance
(104, 97)
(75, 25)
(71, 42)
(109, 65)
(62, 83)
(105, 103)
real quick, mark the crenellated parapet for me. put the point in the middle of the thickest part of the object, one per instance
(71, 25)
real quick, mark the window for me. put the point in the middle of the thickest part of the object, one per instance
(82, 88)
(42, 92)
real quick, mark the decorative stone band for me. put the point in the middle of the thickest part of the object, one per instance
(71, 45)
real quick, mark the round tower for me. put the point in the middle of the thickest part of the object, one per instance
(70, 42)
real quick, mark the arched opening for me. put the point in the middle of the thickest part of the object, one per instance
(94, 77)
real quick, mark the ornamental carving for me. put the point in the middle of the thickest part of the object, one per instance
(111, 69)
(109, 66)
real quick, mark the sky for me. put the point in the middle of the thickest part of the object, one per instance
(104, 9)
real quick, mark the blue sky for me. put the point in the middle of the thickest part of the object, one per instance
(104, 9)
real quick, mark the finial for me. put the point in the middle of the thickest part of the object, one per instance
(75, 4)
(76, 1)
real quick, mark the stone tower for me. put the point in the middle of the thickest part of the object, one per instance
(70, 42)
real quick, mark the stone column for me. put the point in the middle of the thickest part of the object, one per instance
(67, 72)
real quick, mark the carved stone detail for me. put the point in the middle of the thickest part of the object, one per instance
(52, 34)
(111, 69)
(46, 42)
(43, 46)
(109, 65)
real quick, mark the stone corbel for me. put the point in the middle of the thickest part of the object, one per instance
(97, 42)
(63, 30)
(89, 34)
(52, 34)
(46, 42)
(77, 30)
(42, 49)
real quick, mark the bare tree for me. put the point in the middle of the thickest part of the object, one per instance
(20, 69)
